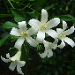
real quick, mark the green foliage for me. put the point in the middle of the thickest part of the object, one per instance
(63, 61)
(19, 15)
(17, 0)
(49, 7)
(67, 17)
(3, 39)
(34, 13)
(5, 15)
(9, 24)
(38, 3)
(25, 52)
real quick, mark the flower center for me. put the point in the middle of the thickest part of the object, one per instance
(63, 35)
(43, 27)
(51, 48)
(24, 34)
(14, 62)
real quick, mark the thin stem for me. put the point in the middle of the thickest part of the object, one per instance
(10, 3)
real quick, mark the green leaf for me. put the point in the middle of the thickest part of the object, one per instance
(31, 0)
(9, 24)
(39, 3)
(34, 14)
(25, 51)
(13, 51)
(5, 15)
(67, 17)
(3, 39)
(51, 6)
(19, 14)
(17, 0)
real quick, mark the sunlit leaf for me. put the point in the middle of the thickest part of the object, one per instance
(9, 24)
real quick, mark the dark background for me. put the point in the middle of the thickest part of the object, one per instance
(63, 60)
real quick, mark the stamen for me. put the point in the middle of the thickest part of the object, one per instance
(43, 27)
(63, 35)
(24, 34)
(51, 48)
(14, 62)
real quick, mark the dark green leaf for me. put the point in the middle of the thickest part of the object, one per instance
(49, 7)
(9, 24)
(24, 51)
(34, 14)
(67, 16)
(3, 39)
(5, 15)
(19, 15)
(31, 0)
(39, 3)
(67, 19)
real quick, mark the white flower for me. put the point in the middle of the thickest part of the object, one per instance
(62, 33)
(24, 34)
(15, 61)
(48, 48)
(44, 26)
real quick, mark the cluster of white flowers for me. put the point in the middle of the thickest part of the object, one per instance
(15, 61)
(40, 28)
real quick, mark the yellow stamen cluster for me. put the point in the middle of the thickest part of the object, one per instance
(51, 48)
(43, 27)
(24, 34)
(14, 62)
(63, 35)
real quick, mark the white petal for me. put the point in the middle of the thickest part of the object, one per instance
(16, 56)
(43, 55)
(52, 33)
(19, 43)
(34, 23)
(5, 60)
(56, 41)
(21, 63)
(49, 53)
(12, 66)
(19, 70)
(22, 25)
(69, 31)
(44, 16)
(46, 44)
(31, 31)
(62, 45)
(59, 30)
(54, 46)
(31, 41)
(53, 22)
(15, 31)
(69, 41)
(64, 25)
(40, 36)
